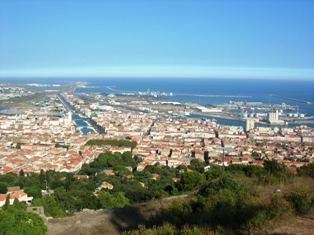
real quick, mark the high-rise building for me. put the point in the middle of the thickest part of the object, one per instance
(250, 122)
(273, 116)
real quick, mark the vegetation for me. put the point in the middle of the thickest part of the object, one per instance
(307, 170)
(62, 146)
(172, 230)
(191, 180)
(15, 220)
(115, 200)
(301, 200)
(120, 143)
(71, 194)
(117, 162)
(233, 198)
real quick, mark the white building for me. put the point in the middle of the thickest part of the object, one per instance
(250, 124)
(70, 119)
(273, 116)
(15, 194)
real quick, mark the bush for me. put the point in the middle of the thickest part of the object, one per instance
(15, 220)
(307, 170)
(223, 182)
(279, 207)
(259, 219)
(116, 200)
(275, 168)
(51, 206)
(197, 165)
(191, 180)
(168, 229)
(3, 187)
(302, 201)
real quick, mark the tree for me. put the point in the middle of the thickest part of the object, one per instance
(3, 187)
(307, 170)
(197, 165)
(274, 167)
(18, 146)
(50, 205)
(253, 170)
(15, 220)
(218, 184)
(42, 178)
(116, 200)
(7, 202)
(21, 173)
(119, 143)
(33, 191)
(206, 157)
(191, 180)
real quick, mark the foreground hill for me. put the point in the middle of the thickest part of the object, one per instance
(238, 199)
(116, 221)
(109, 221)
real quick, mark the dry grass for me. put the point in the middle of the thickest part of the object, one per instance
(109, 221)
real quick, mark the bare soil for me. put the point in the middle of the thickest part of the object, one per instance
(109, 221)
(116, 221)
(292, 226)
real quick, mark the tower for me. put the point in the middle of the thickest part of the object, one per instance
(249, 124)
(273, 117)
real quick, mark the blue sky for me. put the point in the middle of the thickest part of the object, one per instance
(235, 38)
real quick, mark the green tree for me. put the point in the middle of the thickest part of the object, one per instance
(21, 173)
(3, 187)
(307, 170)
(51, 206)
(116, 200)
(15, 220)
(274, 167)
(120, 143)
(7, 202)
(191, 180)
(197, 165)
(33, 191)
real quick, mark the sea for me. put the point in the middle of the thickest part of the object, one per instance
(241, 89)
(220, 90)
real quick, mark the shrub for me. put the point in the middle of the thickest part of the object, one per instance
(191, 180)
(301, 200)
(168, 229)
(15, 220)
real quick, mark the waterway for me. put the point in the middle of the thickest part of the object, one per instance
(82, 124)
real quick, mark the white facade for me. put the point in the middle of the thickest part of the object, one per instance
(250, 124)
(273, 116)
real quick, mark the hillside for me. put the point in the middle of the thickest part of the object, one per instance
(115, 221)
(109, 221)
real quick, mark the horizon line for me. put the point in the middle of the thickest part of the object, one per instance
(161, 72)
